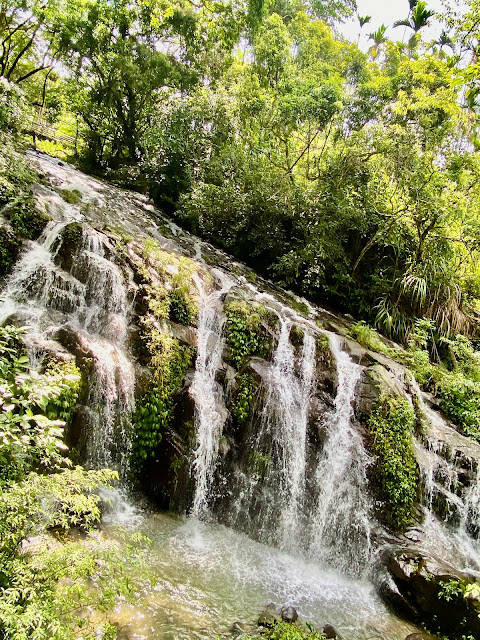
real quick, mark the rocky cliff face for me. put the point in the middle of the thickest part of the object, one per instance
(217, 393)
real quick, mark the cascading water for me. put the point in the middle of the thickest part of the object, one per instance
(90, 303)
(342, 519)
(33, 277)
(285, 417)
(210, 412)
(450, 467)
(287, 479)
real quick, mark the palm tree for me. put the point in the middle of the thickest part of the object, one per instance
(378, 38)
(419, 17)
(363, 20)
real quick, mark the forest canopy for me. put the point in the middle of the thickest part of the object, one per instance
(349, 176)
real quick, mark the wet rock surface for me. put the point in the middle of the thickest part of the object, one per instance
(428, 588)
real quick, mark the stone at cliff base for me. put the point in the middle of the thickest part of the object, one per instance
(331, 633)
(420, 636)
(289, 614)
(269, 616)
(424, 582)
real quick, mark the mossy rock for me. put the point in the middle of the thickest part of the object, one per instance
(10, 247)
(250, 331)
(394, 474)
(377, 382)
(26, 220)
(71, 240)
(72, 196)
(297, 335)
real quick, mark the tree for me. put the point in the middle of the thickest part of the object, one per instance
(362, 20)
(378, 38)
(121, 57)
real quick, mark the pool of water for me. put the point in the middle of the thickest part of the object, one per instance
(208, 576)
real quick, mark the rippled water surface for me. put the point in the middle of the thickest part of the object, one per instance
(209, 576)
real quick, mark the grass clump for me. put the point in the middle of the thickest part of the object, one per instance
(394, 473)
(71, 196)
(369, 338)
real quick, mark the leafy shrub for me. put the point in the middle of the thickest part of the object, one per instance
(460, 401)
(245, 331)
(49, 581)
(244, 398)
(28, 437)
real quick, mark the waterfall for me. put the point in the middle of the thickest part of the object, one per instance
(210, 412)
(342, 519)
(449, 464)
(89, 303)
(285, 417)
(32, 278)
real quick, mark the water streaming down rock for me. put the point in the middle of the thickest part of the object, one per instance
(86, 307)
(285, 417)
(27, 289)
(450, 470)
(287, 480)
(210, 411)
(342, 520)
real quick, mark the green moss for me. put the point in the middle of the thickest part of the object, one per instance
(175, 296)
(300, 307)
(296, 336)
(9, 250)
(370, 339)
(246, 331)
(394, 473)
(72, 196)
(244, 398)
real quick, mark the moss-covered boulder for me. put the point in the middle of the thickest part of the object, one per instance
(394, 474)
(70, 242)
(10, 246)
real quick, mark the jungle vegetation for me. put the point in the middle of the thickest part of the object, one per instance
(350, 177)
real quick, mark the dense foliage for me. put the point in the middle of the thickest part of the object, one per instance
(171, 296)
(47, 578)
(350, 177)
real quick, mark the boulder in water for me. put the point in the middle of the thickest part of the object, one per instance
(443, 596)
(269, 616)
(331, 633)
(289, 614)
